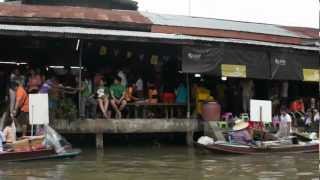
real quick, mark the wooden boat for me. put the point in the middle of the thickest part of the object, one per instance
(38, 155)
(32, 148)
(227, 148)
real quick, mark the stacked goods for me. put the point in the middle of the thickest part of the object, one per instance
(28, 144)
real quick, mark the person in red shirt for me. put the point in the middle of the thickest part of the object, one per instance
(297, 106)
(21, 109)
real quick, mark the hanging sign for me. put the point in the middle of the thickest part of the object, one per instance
(231, 70)
(38, 109)
(311, 75)
(260, 111)
(103, 51)
(154, 59)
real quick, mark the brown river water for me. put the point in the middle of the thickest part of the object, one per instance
(168, 163)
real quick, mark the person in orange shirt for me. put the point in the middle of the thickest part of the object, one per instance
(130, 93)
(21, 110)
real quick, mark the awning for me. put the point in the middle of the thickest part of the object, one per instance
(287, 65)
(242, 62)
(226, 61)
(107, 34)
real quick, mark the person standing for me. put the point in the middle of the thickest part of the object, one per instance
(117, 92)
(284, 93)
(34, 82)
(123, 76)
(15, 77)
(21, 108)
(87, 100)
(285, 124)
(247, 94)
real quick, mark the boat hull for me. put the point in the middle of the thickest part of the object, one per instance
(243, 149)
(38, 155)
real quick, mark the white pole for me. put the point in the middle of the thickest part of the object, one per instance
(32, 120)
(79, 48)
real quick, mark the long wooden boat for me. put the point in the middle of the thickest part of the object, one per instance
(38, 155)
(226, 148)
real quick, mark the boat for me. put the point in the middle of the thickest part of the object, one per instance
(228, 148)
(51, 145)
(42, 154)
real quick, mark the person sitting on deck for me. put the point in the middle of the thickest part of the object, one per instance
(103, 98)
(153, 95)
(117, 92)
(240, 134)
(130, 93)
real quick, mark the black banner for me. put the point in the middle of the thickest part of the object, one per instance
(286, 65)
(209, 60)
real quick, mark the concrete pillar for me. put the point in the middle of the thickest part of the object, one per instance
(99, 140)
(189, 138)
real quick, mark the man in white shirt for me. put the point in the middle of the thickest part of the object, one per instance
(285, 124)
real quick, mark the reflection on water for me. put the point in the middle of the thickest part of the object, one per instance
(167, 163)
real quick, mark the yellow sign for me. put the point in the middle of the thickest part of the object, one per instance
(154, 59)
(231, 70)
(312, 75)
(103, 51)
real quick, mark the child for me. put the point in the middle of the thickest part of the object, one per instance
(129, 95)
(152, 94)
(103, 98)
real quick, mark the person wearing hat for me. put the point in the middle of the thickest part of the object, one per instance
(241, 134)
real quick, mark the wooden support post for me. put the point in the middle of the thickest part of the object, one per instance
(99, 140)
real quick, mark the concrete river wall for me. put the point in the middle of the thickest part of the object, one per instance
(127, 126)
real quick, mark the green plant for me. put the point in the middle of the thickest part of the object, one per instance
(66, 109)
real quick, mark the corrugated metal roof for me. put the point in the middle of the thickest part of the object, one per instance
(68, 12)
(210, 23)
(5, 28)
(311, 32)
